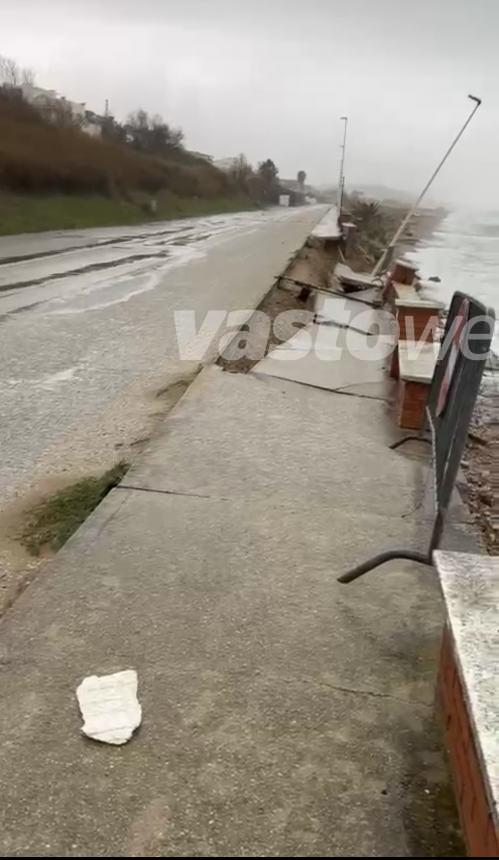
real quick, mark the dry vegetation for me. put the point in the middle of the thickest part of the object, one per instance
(39, 157)
(52, 522)
(55, 174)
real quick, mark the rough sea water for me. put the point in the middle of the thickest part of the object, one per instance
(464, 253)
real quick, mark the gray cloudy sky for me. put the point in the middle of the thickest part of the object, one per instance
(271, 77)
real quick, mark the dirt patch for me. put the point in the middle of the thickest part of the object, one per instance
(18, 566)
(52, 522)
(291, 292)
(171, 393)
(481, 466)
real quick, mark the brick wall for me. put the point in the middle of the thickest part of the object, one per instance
(412, 397)
(418, 324)
(403, 272)
(481, 835)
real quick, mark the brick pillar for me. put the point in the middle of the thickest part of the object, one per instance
(479, 825)
(412, 397)
(417, 323)
(403, 272)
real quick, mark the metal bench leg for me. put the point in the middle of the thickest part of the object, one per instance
(409, 439)
(392, 554)
(376, 560)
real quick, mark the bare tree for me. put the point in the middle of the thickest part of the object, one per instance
(241, 171)
(28, 77)
(10, 73)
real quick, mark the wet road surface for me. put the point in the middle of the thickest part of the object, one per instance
(87, 334)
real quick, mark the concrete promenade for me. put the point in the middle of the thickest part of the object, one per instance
(283, 714)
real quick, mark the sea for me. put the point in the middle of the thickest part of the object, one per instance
(463, 252)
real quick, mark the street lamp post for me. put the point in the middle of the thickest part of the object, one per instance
(388, 250)
(341, 180)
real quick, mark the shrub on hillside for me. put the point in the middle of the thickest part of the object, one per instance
(36, 156)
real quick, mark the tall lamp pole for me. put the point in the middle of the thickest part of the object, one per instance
(341, 180)
(388, 250)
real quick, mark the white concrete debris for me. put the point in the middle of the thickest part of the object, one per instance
(109, 706)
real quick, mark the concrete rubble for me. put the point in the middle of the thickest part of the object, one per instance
(109, 706)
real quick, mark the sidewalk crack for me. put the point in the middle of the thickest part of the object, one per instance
(171, 492)
(265, 376)
(370, 693)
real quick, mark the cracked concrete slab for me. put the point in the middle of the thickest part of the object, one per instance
(347, 311)
(348, 347)
(242, 436)
(330, 369)
(270, 693)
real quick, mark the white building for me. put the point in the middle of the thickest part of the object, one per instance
(49, 103)
(226, 164)
(92, 123)
(37, 96)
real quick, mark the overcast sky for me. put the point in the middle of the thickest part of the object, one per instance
(271, 78)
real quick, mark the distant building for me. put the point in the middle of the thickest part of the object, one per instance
(92, 123)
(52, 105)
(203, 155)
(226, 164)
(294, 191)
(294, 185)
(77, 109)
(38, 97)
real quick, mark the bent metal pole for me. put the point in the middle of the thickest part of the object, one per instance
(386, 253)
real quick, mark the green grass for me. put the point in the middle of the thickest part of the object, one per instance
(52, 522)
(31, 213)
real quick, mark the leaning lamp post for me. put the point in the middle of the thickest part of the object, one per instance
(389, 249)
(341, 180)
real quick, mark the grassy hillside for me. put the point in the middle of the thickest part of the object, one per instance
(54, 177)
(29, 213)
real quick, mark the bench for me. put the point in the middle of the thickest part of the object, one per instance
(468, 692)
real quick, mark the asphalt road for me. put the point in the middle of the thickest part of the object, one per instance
(87, 334)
